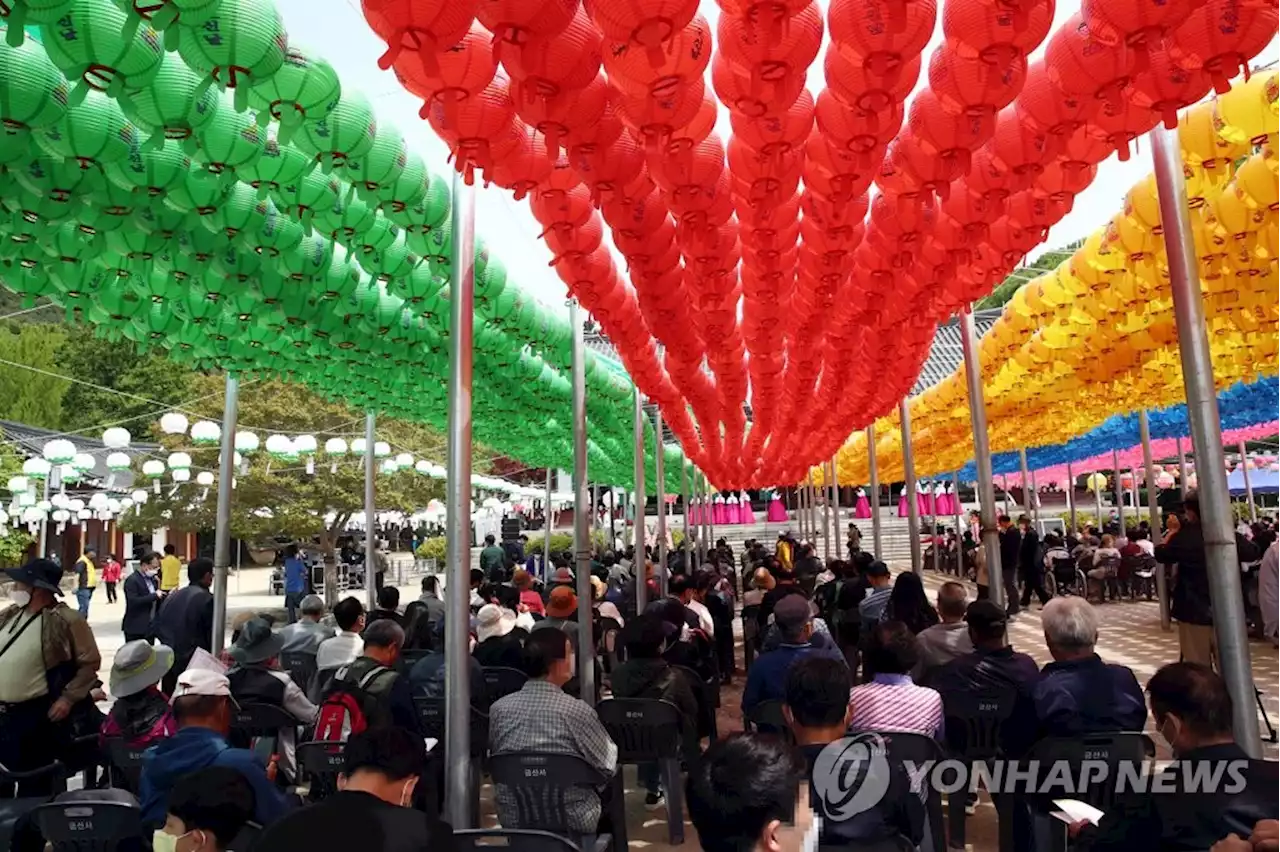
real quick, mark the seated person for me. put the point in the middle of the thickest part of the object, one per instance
(427, 675)
(817, 710)
(1106, 560)
(1078, 693)
(993, 665)
(564, 725)
(1192, 711)
(949, 639)
(498, 642)
(892, 701)
(522, 580)
(562, 614)
(371, 809)
(202, 705)
(768, 676)
(436, 608)
(646, 675)
(341, 650)
(1054, 552)
(141, 714)
(256, 678)
(375, 668)
(305, 635)
(207, 811)
(750, 793)
(388, 606)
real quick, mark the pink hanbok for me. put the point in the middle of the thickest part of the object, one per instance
(731, 515)
(862, 509)
(717, 510)
(902, 505)
(746, 514)
(776, 513)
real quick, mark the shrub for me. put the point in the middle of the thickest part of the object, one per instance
(432, 548)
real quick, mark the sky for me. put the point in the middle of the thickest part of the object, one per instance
(336, 30)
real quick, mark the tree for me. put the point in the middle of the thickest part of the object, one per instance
(14, 543)
(118, 366)
(1049, 260)
(275, 498)
(28, 395)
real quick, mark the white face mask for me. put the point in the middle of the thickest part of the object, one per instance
(21, 597)
(162, 841)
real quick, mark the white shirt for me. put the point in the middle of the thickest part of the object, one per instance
(704, 617)
(1147, 546)
(341, 650)
(1269, 592)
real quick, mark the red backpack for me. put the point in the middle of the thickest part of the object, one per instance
(349, 708)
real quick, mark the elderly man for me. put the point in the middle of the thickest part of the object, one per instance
(1078, 693)
(305, 635)
(767, 679)
(943, 642)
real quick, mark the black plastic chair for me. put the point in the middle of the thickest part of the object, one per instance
(90, 820)
(513, 839)
(538, 784)
(919, 750)
(708, 695)
(262, 720)
(53, 776)
(502, 681)
(431, 716)
(974, 722)
(124, 764)
(321, 763)
(245, 839)
(767, 718)
(409, 656)
(647, 730)
(300, 665)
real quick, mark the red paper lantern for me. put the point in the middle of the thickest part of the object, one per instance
(948, 137)
(642, 72)
(772, 61)
(931, 174)
(1043, 105)
(481, 129)
(1119, 125)
(885, 34)
(609, 169)
(855, 130)
(523, 169)
(1064, 179)
(1081, 64)
(566, 114)
(656, 120)
(650, 24)
(992, 32)
(549, 64)
(777, 135)
(514, 22)
(855, 85)
(740, 94)
(836, 177)
(1164, 86)
(1021, 148)
(1140, 24)
(583, 239)
(1221, 36)
(571, 207)
(975, 87)
(450, 76)
(426, 26)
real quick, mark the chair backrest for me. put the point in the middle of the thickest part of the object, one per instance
(919, 750)
(644, 729)
(245, 839)
(262, 720)
(321, 763)
(974, 720)
(89, 821)
(538, 783)
(431, 716)
(126, 760)
(1114, 750)
(767, 718)
(512, 839)
(502, 681)
(409, 656)
(300, 665)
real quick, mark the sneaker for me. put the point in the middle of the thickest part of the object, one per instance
(654, 801)
(971, 804)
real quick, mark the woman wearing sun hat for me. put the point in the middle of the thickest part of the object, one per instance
(141, 714)
(523, 581)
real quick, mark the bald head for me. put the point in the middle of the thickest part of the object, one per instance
(952, 600)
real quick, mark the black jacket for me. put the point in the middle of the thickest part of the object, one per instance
(1029, 552)
(1010, 548)
(657, 679)
(1190, 596)
(506, 651)
(356, 820)
(980, 671)
(140, 599)
(185, 622)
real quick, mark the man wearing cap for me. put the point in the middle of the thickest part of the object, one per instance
(305, 635)
(141, 714)
(767, 679)
(48, 663)
(993, 665)
(256, 678)
(86, 580)
(202, 705)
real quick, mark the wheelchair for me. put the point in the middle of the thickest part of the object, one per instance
(1065, 578)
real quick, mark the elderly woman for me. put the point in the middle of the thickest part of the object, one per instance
(761, 582)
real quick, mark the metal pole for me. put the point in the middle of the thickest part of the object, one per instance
(546, 529)
(986, 487)
(659, 473)
(875, 488)
(1182, 467)
(1071, 497)
(1004, 479)
(684, 502)
(1026, 482)
(1206, 431)
(44, 524)
(1119, 490)
(638, 529)
(909, 471)
(933, 529)
(222, 524)
(955, 487)
(458, 772)
(613, 509)
(1034, 500)
(1153, 510)
(835, 508)
(825, 507)
(595, 513)
(582, 523)
(1248, 484)
(712, 494)
(1097, 507)
(370, 513)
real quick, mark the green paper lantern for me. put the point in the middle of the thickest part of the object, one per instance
(104, 47)
(230, 140)
(199, 192)
(241, 44)
(153, 170)
(176, 262)
(190, 339)
(416, 287)
(343, 136)
(390, 263)
(56, 180)
(136, 248)
(379, 168)
(304, 89)
(346, 220)
(74, 285)
(279, 165)
(338, 281)
(155, 287)
(408, 188)
(240, 211)
(173, 105)
(167, 14)
(236, 265)
(69, 246)
(33, 92)
(93, 133)
(156, 218)
(196, 304)
(278, 233)
(15, 146)
(20, 14)
(202, 244)
(311, 257)
(114, 302)
(309, 195)
(28, 283)
(270, 285)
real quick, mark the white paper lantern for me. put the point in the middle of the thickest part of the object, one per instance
(113, 505)
(206, 432)
(182, 474)
(381, 449)
(279, 445)
(69, 473)
(44, 505)
(84, 514)
(357, 446)
(37, 468)
(17, 484)
(60, 501)
(246, 442)
(304, 444)
(32, 515)
(423, 466)
(204, 478)
(118, 461)
(61, 515)
(116, 438)
(174, 423)
(404, 460)
(84, 462)
(138, 495)
(335, 447)
(178, 461)
(98, 501)
(126, 503)
(153, 468)
(59, 451)
(388, 466)
(76, 505)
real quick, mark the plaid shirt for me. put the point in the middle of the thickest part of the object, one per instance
(542, 717)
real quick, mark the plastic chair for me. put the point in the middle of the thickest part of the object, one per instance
(248, 836)
(513, 839)
(301, 666)
(767, 718)
(647, 730)
(321, 763)
(502, 681)
(124, 762)
(974, 722)
(262, 720)
(708, 694)
(919, 749)
(89, 820)
(431, 715)
(538, 783)
(14, 809)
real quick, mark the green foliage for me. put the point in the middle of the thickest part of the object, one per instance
(27, 396)
(1004, 292)
(560, 542)
(14, 544)
(432, 548)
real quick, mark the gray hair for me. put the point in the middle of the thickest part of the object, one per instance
(1070, 624)
(312, 605)
(384, 633)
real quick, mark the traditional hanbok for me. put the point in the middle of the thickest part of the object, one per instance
(731, 510)
(717, 510)
(746, 514)
(902, 505)
(776, 513)
(862, 508)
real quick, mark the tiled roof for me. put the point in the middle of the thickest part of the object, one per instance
(947, 353)
(29, 441)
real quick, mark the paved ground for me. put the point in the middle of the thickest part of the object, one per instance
(1130, 635)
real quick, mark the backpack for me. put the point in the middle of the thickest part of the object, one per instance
(350, 708)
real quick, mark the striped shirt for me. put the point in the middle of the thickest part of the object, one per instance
(893, 702)
(872, 607)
